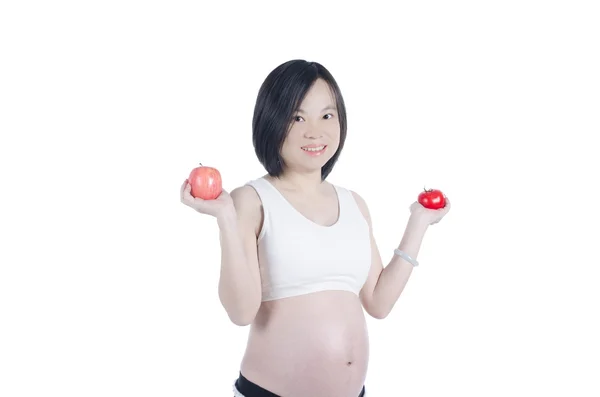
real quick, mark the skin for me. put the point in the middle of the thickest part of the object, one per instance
(316, 344)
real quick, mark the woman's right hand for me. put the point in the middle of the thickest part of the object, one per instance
(217, 207)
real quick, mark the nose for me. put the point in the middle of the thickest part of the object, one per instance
(312, 133)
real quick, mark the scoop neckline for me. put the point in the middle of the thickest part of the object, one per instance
(294, 209)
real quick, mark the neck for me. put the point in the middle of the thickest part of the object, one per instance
(301, 180)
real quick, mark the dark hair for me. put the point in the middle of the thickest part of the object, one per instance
(278, 99)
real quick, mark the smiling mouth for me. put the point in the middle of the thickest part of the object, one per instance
(314, 148)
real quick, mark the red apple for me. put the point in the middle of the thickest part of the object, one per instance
(206, 182)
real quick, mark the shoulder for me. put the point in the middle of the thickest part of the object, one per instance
(362, 205)
(245, 197)
(248, 205)
(244, 194)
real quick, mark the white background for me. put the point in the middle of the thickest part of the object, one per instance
(108, 284)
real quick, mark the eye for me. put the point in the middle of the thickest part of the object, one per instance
(298, 118)
(328, 116)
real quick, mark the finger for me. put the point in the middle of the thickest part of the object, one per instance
(184, 186)
(186, 193)
(446, 204)
(182, 190)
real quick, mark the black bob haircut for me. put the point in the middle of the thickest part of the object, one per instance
(278, 99)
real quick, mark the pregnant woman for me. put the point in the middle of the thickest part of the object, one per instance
(299, 263)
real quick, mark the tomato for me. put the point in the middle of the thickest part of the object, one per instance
(206, 182)
(432, 198)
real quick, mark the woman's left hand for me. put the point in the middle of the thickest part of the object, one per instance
(428, 216)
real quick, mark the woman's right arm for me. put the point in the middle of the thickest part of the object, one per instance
(239, 216)
(239, 283)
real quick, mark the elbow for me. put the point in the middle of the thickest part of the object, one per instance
(379, 315)
(241, 321)
(245, 315)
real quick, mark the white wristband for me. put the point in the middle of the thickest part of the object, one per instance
(406, 257)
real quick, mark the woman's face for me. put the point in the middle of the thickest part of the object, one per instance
(314, 135)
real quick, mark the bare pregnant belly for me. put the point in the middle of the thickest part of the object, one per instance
(312, 345)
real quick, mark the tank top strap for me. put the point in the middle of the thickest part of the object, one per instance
(344, 195)
(267, 194)
(348, 205)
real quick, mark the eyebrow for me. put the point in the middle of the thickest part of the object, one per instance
(329, 107)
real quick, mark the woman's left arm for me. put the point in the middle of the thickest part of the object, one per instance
(385, 284)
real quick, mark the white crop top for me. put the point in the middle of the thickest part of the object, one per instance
(297, 256)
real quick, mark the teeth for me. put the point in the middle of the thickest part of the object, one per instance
(313, 149)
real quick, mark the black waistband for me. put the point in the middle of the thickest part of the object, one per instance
(250, 389)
